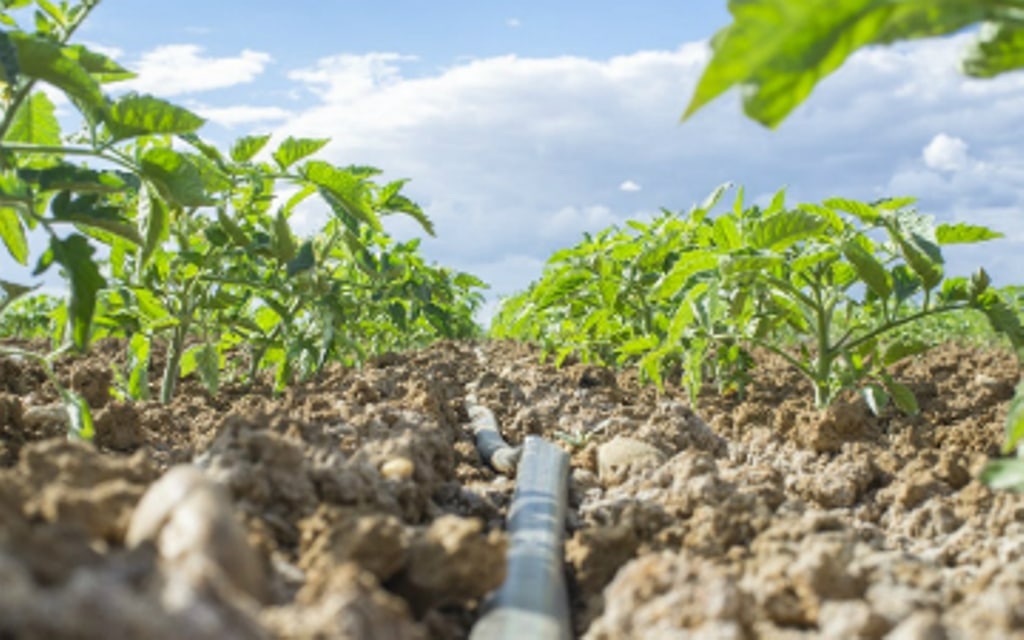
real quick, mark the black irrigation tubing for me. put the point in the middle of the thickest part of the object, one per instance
(533, 602)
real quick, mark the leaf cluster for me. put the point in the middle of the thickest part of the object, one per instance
(825, 285)
(164, 238)
(776, 51)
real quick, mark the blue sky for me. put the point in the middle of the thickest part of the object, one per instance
(523, 124)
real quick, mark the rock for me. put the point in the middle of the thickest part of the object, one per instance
(335, 535)
(673, 595)
(921, 625)
(350, 606)
(850, 619)
(191, 521)
(397, 469)
(621, 455)
(451, 562)
(117, 427)
(51, 419)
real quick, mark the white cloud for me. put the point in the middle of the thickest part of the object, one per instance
(348, 77)
(243, 114)
(945, 153)
(513, 23)
(516, 156)
(629, 185)
(177, 69)
(573, 220)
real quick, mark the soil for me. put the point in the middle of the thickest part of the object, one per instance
(356, 506)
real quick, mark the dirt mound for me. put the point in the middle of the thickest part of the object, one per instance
(356, 506)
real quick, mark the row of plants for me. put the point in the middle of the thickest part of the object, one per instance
(777, 51)
(832, 287)
(164, 239)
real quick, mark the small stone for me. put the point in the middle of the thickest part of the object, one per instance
(397, 469)
(621, 455)
(191, 521)
(47, 418)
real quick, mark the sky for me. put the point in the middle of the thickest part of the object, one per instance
(523, 124)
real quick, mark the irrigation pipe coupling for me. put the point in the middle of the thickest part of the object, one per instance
(533, 602)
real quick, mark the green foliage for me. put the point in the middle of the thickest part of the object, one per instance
(27, 317)
(202, 259)
(776, 51)
(825, 286)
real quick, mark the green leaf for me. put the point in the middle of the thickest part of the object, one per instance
(303, 261)
(998, 48)
(726, 233)
(79, 417)
(963, 233)
(955, 290)
(876, 398)
(72, 177)
(35, 122)
(46, 60)
(688, 265)
(137, 115)
(245, 148)
(814, 257)
(234, 231)
(344, 192)
(12, 232)
(1015, 421)
(782, 230)
(1003, 318)
(395, 202)
(208, 360)
(749, 264)
(778, 50)
(1004, 475)
(869, 268)
(282, 240)
(922, 257)
(713, 198)
(904, 348)
(208, 152)
(74, 253)
(54, 12)
(901, 396)
(294, 149)
(138, 361)
(155, 220)
(8, 60)
(12, 291)
(175, 176)
(99, 66)
(860, 210)
(637, 346)
(86, 210)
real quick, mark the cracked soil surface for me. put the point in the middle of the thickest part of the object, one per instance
(356, 506)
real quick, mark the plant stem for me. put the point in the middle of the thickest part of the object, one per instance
(874, 333)
(172, 367)
(24, 147)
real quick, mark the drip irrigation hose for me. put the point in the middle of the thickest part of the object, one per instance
(501, 456)
(533, 602)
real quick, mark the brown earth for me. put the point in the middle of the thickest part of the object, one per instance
(357, 506)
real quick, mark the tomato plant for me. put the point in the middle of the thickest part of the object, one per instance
(167, 240)
(694, 293)
(777, 51)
